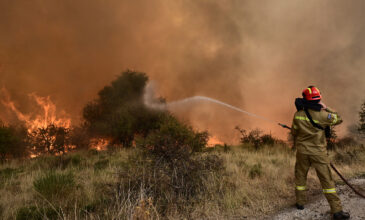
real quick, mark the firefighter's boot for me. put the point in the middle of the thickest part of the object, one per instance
(300, 207)
(341, 215)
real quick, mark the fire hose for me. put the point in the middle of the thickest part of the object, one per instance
(336, 171)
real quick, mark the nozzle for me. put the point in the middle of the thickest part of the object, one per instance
(284, 126)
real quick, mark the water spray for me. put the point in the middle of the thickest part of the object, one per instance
(150, 101)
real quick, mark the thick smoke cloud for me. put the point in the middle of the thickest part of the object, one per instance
(257, 55)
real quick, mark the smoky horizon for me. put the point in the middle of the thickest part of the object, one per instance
(257, 56)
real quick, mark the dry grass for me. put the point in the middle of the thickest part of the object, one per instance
(254, 183)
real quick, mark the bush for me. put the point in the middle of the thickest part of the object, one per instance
(51, 139)
(57, 162)
(35, 213)
(101, 164)
(13, 142)
(55, 185)
(346, 142)
(350, 155)
(119, 113)
(255, 171)
(173, 140)
(168, 169)
(257, 139)
(361, 127)
(6, 174)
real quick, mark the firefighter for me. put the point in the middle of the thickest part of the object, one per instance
(311, 126)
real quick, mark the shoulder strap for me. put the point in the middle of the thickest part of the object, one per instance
(311, 120)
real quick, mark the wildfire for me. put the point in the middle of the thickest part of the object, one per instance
(214, 141)
(42, 120)
(99, 144)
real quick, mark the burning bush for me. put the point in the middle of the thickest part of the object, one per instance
(119, 112)
(50, 140)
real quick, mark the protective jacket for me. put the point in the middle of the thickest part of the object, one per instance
(309, 139)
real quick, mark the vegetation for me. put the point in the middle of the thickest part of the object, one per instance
(257, 139)
(13, 142)
(119, 112)
(140, 183)
(362, 119)
(169, 173)
(50, 140)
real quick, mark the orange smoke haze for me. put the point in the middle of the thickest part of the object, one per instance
(256, 55)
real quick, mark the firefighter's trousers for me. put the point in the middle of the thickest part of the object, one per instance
(321, 164)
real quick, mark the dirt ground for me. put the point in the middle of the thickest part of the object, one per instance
(319, 209)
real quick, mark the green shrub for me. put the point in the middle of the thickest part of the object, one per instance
(174, 186)
(55, 185)
(255, 171)
(119, 113)
(101, 164)
(170, 169)
(35, 213)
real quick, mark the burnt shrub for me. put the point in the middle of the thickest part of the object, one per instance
(169, 168)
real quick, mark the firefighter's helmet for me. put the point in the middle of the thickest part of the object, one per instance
(311, 93)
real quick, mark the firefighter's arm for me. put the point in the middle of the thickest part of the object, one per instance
(294, 128)
(332, 117)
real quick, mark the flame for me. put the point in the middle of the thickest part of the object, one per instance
(99, 144)
(214, 141)
(42, 120)
(47, 115)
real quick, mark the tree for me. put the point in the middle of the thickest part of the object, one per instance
(119, 113)
(362, 119)
(51, 139)
(13, 142)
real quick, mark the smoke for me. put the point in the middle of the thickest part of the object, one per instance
(256, 55)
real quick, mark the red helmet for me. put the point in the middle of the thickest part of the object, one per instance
(311, 93)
